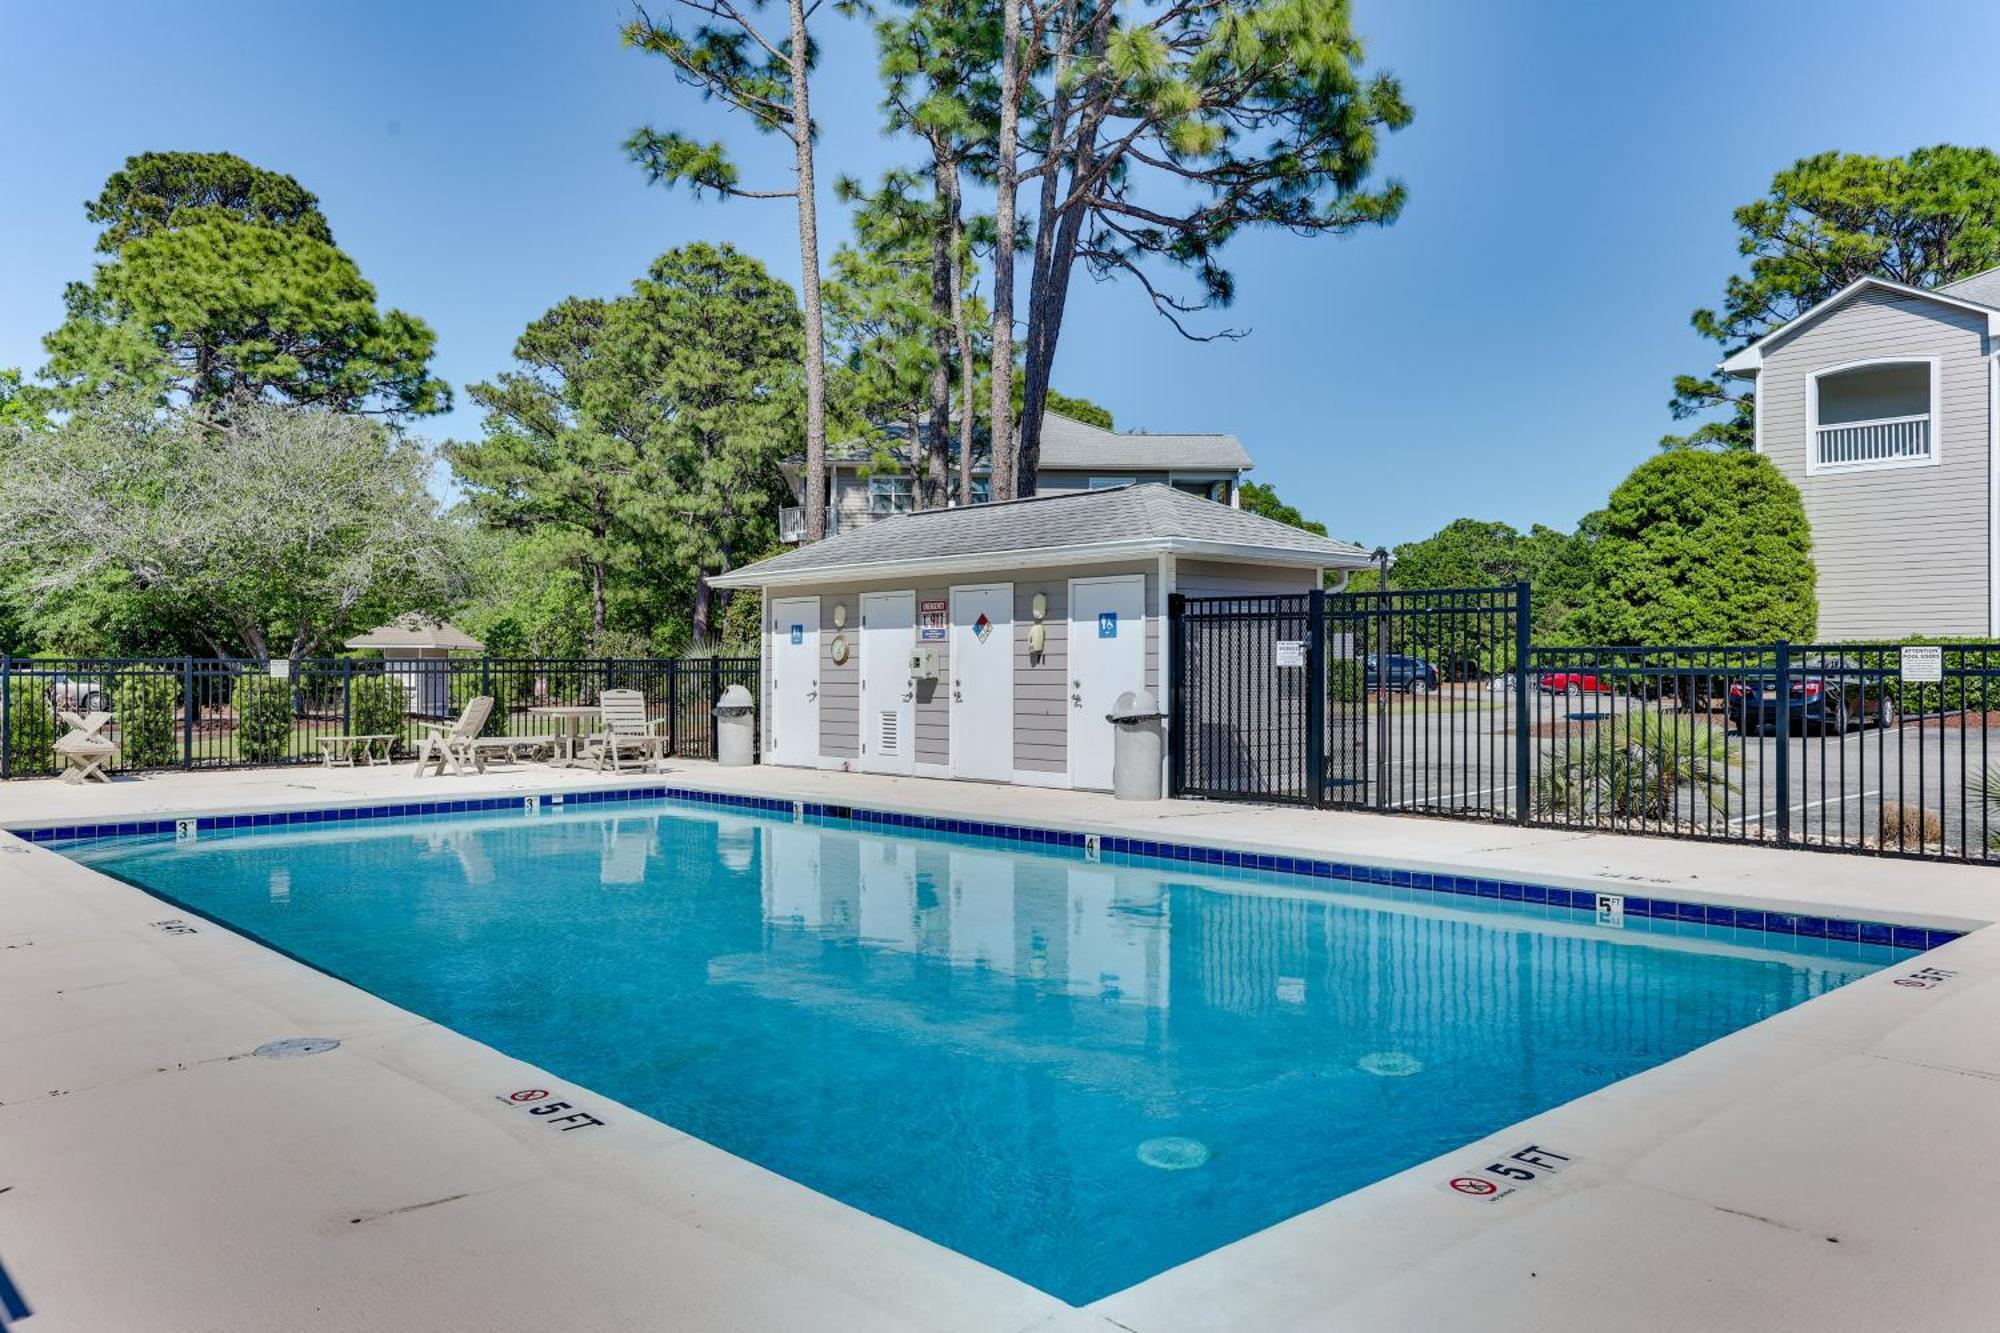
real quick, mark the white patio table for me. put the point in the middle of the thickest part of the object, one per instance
(571, 722)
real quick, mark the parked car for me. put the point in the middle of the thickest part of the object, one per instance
(1572, 683)
(1831, 696)
(83, 696)
(1407, 675)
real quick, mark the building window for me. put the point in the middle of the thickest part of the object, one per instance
(1102, 483)
(1873, 414)
(982, 491)
(891, 495)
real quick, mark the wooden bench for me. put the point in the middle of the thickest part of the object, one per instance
(85, 749)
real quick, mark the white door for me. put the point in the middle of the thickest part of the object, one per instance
(982, 911)
(982, 682)
(1107, 656)
(888, 715)
(795, 681)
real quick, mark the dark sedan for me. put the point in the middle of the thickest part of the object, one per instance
(1833, 696)
(1406, 675)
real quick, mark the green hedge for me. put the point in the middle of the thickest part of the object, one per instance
(466, 687)
(375, 706)
(263, 718)
(31, 733)
(144, 703)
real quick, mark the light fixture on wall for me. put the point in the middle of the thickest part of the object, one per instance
(1038, 633)
(840, 615)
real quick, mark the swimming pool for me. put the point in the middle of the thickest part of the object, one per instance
(1078, 1072)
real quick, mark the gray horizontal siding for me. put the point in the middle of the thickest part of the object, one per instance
(1216, 578)
(1899, 551)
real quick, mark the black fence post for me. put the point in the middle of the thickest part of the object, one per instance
(1177, 694)
(1782, 761)
(187, 710)
(1523, 733)
(6, 716)
(674, 705)
(346, 696)
(1316, 697)
(715, 693)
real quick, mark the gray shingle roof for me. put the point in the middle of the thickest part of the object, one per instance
(1981, 287)
(1111, 522)
(1074, 444)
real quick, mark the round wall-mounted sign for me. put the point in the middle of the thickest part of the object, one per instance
(839, 649)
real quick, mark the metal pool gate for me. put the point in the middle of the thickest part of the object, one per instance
(1434, 701)
(1355, 700)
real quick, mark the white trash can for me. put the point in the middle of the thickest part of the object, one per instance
(735, 728)
(1138, 747)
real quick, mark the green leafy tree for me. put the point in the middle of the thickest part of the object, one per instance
(639, 438)
(276, 531)
(1156, 134)
(766, 75)
(375, 707)
(1702, 547)
(1256, 497)
(1921, 220)
(715, 341)
(222, 286)
(1082, 409)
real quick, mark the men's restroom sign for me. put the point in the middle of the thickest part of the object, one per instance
(798, 634)
(1107, 624)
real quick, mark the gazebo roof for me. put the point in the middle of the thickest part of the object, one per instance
(416, 630)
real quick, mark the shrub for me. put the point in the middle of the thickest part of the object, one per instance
(1699, 547)
(31, 732)
(144, 702)
(466, 686)
(1909, 826)
(375, 707)
(1638, 770)
(263, 718)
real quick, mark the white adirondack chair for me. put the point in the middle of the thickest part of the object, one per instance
(456, 744)
(626, 732)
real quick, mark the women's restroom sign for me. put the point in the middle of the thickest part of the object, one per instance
(931, 620)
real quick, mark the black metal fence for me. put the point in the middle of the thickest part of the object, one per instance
(1436, 701)
(194, 712)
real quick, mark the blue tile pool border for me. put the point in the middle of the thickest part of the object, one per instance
(1111, 847)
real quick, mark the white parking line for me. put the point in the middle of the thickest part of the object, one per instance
(1772, 813)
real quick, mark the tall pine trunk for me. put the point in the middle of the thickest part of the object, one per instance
(936, 486)
(1005, 174)
(809, 282)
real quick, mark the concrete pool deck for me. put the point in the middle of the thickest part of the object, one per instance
(1832, 1167)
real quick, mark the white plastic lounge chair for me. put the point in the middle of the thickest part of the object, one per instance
(626, 732)
(455, 744)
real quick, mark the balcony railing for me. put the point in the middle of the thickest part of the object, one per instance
(792, 523)
(1883, 440)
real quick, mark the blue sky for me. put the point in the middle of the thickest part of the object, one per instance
(1504, 351)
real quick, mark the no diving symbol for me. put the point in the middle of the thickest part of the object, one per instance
(1474, 1185)
(528, 1095)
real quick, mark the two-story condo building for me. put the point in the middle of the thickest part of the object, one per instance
(1076, 456)
(1882, 404)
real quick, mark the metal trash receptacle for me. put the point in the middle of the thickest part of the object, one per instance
(735, 728)
(1138, 746)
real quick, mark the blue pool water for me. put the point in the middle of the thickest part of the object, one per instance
(1079, 1073)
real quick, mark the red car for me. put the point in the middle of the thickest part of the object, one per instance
(1572, 683)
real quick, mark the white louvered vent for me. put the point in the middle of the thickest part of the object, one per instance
(889, 732)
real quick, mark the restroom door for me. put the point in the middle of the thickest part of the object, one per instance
(982, 682)
(795, 681)
(888, 715)
(1107, 656)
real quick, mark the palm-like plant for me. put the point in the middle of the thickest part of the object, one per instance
(1638, 769)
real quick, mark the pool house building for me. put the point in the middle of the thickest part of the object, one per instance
(989, 642)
